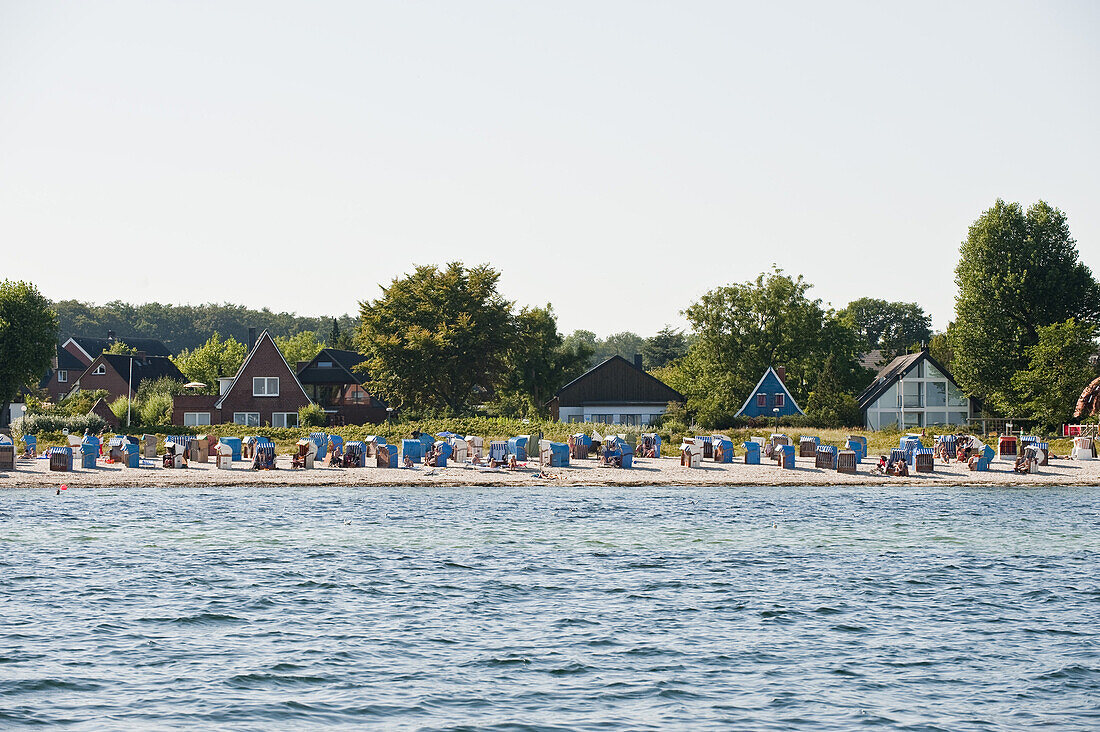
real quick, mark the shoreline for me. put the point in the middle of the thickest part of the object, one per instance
(581, 473)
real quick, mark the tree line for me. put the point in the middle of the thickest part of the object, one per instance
(442, 340)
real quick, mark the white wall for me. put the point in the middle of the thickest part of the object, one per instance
(587, 414)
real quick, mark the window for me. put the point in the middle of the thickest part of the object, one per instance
(603, 418)
(100, 370)
(193, 419)
(655, 418)
(249, 419)
(932, 372)
(762, 400)
(265, 386)
(630, 419)
(955, 397)
(780, 400)
(324, 364)
(937, 394)
(914, 419)
(912, 394)
(62, 377)
(284, 419)
(574, 418)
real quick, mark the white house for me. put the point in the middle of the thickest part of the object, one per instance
(914, 391)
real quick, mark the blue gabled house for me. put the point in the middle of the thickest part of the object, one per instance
(770, 392)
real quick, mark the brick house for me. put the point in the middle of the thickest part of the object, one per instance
(330, 380)
(265, 392)
(85, 349)
(62, 375)
(112, 372)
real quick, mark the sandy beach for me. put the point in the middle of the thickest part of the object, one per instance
(662, 471)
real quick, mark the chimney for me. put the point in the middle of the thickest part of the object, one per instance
(251, 339)
(638, 361)
(781, 372)
(111, 336)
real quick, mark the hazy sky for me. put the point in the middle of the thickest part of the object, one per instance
(616, 159)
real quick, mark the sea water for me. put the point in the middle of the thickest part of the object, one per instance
(551, 608)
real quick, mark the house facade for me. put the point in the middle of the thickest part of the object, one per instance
(62, 375)
(330, 380)
(914, 391)
(85, 348)
(265, 392)
(614, 392)
(770, 394)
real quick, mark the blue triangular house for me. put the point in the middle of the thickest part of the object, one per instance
(770, 393)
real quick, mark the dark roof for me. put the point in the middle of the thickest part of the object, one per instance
(65, 362)
(341, 372)
(96, 346)
(895, 370)
(616, 381)
(149, 368)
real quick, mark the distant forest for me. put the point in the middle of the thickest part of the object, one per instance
(186, 326)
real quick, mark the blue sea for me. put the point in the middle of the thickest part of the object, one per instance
(551, 608)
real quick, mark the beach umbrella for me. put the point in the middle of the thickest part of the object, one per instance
(194, 385)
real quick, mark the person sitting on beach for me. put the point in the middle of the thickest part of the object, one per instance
(901, 469)
(334, 460)
(1023, 463)
(881, 467)
(942, 453)
(409, 462)
(513, 464)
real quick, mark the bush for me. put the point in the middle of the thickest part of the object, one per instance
(156, 409)
(119, 408)
(312, 415)
(34, 424)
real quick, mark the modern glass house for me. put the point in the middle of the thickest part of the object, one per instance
(914, 391)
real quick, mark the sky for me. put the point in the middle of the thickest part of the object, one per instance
(615, 159)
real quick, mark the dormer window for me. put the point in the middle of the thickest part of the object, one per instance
(324, 364)
(265, 386)
(99, 370)
(62, 377)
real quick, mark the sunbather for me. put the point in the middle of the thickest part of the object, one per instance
(1023, 463)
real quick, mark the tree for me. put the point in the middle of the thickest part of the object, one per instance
(539, 363)
(28, 339)
(437, 339)
(302, 346)
(939, 347)
(339, 339)
(118, 348)
(1018, 272)
(830, 404)
(1058, 370)
(664, 348)
(211, 361)
(742, 329)
(892, 327)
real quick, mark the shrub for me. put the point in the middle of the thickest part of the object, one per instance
(156, 410)
(34, 424)
(312, 415)
(119, 408)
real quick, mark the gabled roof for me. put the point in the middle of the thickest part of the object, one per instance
(150, 368)
(342, 371)
(92, 347)
(761, 382)
(600, 381)
(248, 358)
(894, 371)
(65, 362)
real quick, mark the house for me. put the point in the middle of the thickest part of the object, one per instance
(330, 380)
(62, 374)
(913, 391)
(85, 349)
(122, 375)
(770, 394)
(264, 392)
(614, 392)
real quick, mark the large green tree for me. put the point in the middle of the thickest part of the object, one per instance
(28, 339)
(1058, 370)
(743, 328)
(302, 346)
(539, 363)
(891, 327)
(211, 361)
(438, 339)
(665, 347)
(1018, 271)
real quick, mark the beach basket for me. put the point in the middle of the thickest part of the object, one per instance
(7, 455)
(825, 457)
(785, 455)
(807, 446)
(61, 459)
(846, 461)
(498, 450)
(752, 453)
(387, 456)
(704, 442)
(691, 455)
(1007, 446)
(722, 447)
(924, 460)
(578, 446)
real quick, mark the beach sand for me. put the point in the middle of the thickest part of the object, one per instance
(663, 471)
